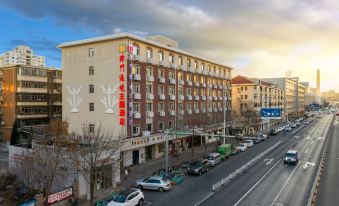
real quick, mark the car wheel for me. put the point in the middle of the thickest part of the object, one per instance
(141, 202)
(161, 189)
(139, 187)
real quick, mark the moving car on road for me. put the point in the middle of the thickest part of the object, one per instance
(154, 183)
(197, 167)
(291, 157)
(213, 159)
(128, 197)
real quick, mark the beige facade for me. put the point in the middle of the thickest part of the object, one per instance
(165, 88)
(249, 96)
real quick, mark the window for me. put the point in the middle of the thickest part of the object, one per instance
(188, 106)
(149, 127)
(1, 136)
(195, 92)
(181, 91)
(202, 79)
(188, 91)
(149, 89)
(160, 128)
(135, 130)
(203, 92)
(245, 88)
(171, 90)
(161, 107)
(91, 88)
(171, 106)
(91, 107)
(188, 62)
(195, 65)
(170, 124)
(161, 89)
(136, 88)
(161, 56)
(188, 77)
(245, 96)
(135, 69)
(91, 128)
(196, 105)
(91, 52)
(171, 75)
(203, 105)
(136, 49)
(149, 107)
(171, 58)
(180, 60)
(149, 53)
(241, 96)
(161, 73)
(136, 107)
(180, 107)
(149, 71)
(91, 70)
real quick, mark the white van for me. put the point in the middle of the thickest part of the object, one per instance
(213, 159)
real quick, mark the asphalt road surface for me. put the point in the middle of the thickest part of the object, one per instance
(329, 183)
(266, 182)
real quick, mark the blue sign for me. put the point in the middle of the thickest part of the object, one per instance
(270, 113)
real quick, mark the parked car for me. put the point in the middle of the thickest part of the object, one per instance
(293, 125)
(235, 150)
(154, 183)
(291, 157)
(213, 159)
(128, 197)
(256, 140)
(249, 143)
(288, 128)
(262, 137)
(273, 132)
(242, 147)
(297, 123)
(197, 167)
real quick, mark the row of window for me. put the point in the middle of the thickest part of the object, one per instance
(28, 84)
(260, 88)
(32, 110)
(33, 72)
(32, 97)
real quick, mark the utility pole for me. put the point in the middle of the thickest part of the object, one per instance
(166, 149)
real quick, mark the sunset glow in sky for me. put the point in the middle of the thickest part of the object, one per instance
(258, 38)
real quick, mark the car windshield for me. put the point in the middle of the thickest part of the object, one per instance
(290, 155)
(210, 158)
(195, 164)
(120, 198)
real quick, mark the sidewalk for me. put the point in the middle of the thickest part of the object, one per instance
(146, 169)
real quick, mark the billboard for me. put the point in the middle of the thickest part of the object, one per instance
(270, 113)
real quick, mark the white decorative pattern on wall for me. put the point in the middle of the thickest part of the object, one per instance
(108, 100)
(74, 100)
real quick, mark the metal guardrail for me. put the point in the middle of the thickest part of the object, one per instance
(242, 168)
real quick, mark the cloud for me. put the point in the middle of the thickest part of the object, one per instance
(259, 37)
(42, 44)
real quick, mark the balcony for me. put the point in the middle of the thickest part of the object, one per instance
(215, 109)
(173, 65)
(205, 72)
(31, 90)
(136, 57)
(189, 83)
(183, 67)
(181, 97)
(150, 96)
(181, 82)
(172, 81)
(172, 97)
(136, 96)
(136, 115)
(210, 86)
(203, 98)
(196, 111)
(211, 73)
(224, 87)
(203, 85)
(162, 113)
(30, 116)
(161, 63)
(196, 84)
(137, 77)
(199, 71)
(220, 98)
(191, 69)
(196, 98)
(162, 96)
(215, 98)
(215, 86)
(182, 112)
(203, 110)
(210, 98)
(21, 77)
(189, 111)
(220, 109)
(150, 78)
(225, 97)
(162, 80)
(150, 114)
(220, 86)
(210, 110)
(189, 97)
(149, 60)
(146, 133)
(172, 113)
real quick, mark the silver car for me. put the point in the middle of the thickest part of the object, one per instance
(154, 183)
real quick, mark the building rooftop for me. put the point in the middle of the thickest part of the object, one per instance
(242, 80)
(135, 37)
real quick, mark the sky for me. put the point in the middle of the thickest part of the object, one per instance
(258, 38)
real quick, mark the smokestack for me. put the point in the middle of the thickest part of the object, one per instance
(318, 83)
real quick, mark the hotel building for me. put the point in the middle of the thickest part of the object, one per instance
(29, 95)
(249, 96)
(140, 87)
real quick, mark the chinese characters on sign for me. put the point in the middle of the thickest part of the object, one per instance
(131, 51)
(122, 90)
(59, 196)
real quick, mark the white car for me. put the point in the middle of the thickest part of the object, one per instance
(293, 125)
(128, 197)
(288, 128)
(249, 143)
(242, 147)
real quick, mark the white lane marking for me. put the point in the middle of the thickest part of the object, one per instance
(307, 164)
(308, 137)
(203, 200)
(312, 142)
(243, 197)
(320, 138)
(268, 161)
(307, 150)
(283, 187)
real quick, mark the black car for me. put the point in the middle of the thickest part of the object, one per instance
(197, 167)
(273, 132)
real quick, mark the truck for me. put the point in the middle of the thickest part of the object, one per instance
(225, 150)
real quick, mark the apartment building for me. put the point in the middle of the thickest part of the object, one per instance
(249, 95)
(294, 96)
(21, 55)
(140, 87)
(29, 95)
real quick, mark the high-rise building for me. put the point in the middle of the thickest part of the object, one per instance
(318, 87)
(249, 95)
(140, 87)
(29, 95)
(21, 55)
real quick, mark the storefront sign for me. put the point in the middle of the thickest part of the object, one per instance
(122, 90)
(59, 196)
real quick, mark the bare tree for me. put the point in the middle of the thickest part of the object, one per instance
(97, 150)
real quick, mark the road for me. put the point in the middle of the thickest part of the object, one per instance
(267, 177)
(329, 190)
(276, 183)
